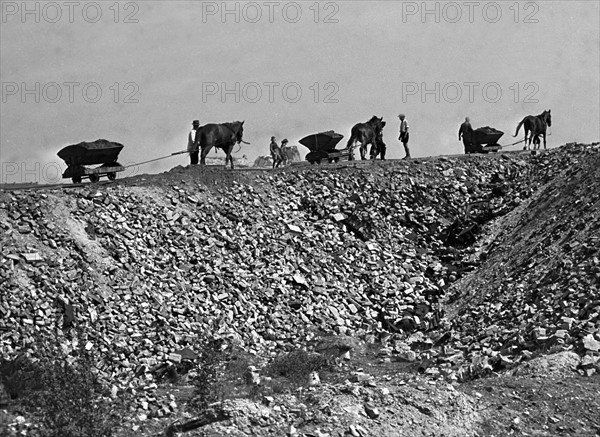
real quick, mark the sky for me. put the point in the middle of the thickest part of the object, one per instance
(138, 73)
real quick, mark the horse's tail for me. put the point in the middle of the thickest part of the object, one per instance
(351, 139)
(519, 127)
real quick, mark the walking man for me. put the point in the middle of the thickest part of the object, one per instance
(404, 135)
(193, 143)
(466, 132)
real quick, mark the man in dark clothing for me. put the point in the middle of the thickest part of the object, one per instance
(466, 132)
(275, 152)
(284, 152)
(379, 147)
(194, 143)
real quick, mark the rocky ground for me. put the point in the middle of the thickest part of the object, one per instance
(442, 296)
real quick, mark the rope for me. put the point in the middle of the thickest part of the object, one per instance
(513, 144)
(156, 159)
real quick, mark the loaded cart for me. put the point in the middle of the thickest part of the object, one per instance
(100, 152)
(322, 147)
(484, 140)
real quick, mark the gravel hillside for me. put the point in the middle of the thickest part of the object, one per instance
(452, 268)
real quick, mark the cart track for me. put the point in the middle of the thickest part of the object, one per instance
(294, 166)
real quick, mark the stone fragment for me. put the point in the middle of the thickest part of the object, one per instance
(590, 343)
(372, 412)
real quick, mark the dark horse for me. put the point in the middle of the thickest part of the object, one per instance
(223, 136)
(535, 125)
(365, 134)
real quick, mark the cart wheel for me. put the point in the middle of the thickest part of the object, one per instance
(94, 178)
(111, 176)
(76, 179)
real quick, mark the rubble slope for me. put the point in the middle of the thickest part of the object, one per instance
(539, 287)
(461, 264)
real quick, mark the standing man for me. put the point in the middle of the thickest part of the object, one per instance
(404, 134)
(193, 143)
(466, 132)
(284, 150)
(275, 152)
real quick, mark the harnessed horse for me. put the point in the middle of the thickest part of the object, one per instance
(365, 134)
(535, 125)
(223, 136)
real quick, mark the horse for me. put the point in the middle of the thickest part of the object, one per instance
(223, 136)
(535, 125)
(365, 134)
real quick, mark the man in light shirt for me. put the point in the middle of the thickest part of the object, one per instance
(193, 143)
(404, 134)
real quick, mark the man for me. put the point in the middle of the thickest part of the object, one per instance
(284, 151)
(275, 152)
(466, 132)
(193, 143)
(404, 134)
(378, 147)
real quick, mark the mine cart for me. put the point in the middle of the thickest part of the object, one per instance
(484, 140)
(322, 147)
(100, 152)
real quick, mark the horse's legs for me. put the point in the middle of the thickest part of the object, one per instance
(203, 154)
(544, 134)
(228, 156)
(351, 146)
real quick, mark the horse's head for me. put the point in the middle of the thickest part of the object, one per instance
(238, 130)
(376, 123)
(547, 117)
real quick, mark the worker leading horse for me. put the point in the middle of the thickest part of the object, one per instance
(365, 134)
(223, 136)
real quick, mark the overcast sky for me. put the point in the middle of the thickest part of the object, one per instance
(70, 73)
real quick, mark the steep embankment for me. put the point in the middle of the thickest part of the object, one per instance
(272, 260)
(539, 289)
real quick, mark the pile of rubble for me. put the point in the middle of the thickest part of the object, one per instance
(539, 289)
(365, 251)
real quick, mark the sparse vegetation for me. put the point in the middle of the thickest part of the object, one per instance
(62, 391)
(207, 375)
(297, 366)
